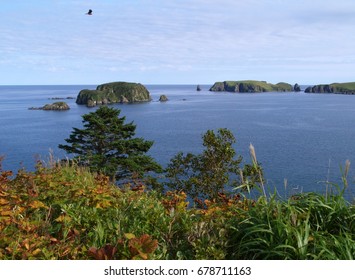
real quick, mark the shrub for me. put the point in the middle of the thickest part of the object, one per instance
(213, 171)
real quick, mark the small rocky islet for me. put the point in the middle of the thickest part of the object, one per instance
(56, 106)
(163, 98)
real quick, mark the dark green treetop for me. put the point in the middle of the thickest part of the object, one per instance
(107, 145)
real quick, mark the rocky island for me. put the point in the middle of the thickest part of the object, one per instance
(163, 98)
(116, 92)
(56, 106)
(250, 86)
(341, 88)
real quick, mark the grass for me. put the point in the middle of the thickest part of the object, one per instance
(344, 87)
(303, 227)
(66, 212)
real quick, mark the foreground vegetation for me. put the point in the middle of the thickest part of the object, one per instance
(102, 204)
(66, 212)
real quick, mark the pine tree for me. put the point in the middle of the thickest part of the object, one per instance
(107, 145)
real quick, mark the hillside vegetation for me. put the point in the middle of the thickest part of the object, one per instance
(250, 86)
(115, 92)
(62, 211)
(342, 88)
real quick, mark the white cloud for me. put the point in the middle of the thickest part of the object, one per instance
(197, 36)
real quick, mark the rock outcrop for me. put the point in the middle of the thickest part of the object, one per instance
(341, 88)
(116, 92)
(319, 89)
(296, 88)
(250, 86)
(163, 98)
(56, 106)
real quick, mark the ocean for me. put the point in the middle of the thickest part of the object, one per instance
(300, 138)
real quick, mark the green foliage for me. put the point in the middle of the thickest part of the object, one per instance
(283, 87)
(344, 87)
(107, 145)
(66, 212)
(113, 93)
(304, 227)
(214, 170)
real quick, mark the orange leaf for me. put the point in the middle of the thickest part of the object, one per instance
(143, 246)
(37, 204)
(3, 201)
(148, 244)
(6, 213)
(54, 240)
(36, 252)
(26, 244)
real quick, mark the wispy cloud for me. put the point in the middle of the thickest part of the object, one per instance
(200, 37)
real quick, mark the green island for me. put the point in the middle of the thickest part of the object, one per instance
(250, 86)
(339, 88)
(105, 203)
(56, 106)
(115, 92)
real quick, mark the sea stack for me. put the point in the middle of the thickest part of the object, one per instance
(163, 98)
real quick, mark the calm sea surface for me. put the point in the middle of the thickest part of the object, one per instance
(303, 138)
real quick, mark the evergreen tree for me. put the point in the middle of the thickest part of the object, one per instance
(107, 145)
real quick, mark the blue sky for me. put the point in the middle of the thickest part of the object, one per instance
(176, 41)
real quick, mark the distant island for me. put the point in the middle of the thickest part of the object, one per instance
(250, 86)
(56, 106)
(340, 88)
(115, 92)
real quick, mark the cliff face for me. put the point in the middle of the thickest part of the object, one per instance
(117, 92)
(342, 88)
(319, 89)
(250, 86)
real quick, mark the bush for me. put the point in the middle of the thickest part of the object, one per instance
(214, 171)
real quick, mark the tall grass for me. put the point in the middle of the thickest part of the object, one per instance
(304, 226)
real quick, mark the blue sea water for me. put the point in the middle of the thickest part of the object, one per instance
(304, 138)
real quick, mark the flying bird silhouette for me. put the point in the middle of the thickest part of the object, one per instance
(89, 12)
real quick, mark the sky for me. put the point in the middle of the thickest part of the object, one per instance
(176, 41)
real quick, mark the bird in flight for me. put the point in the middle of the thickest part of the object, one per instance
(89, 12)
